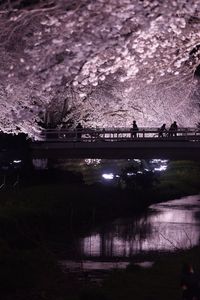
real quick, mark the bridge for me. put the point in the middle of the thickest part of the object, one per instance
(117, 143)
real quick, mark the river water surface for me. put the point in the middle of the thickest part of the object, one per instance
(166, 226)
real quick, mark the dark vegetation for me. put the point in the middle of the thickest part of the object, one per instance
(162, 281)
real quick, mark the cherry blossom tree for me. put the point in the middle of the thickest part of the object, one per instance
(103, 62)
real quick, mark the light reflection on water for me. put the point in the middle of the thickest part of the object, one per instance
(167, 226)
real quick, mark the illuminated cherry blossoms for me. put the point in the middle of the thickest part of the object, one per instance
(102, 62)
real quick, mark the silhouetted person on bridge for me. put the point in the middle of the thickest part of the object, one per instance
(134, 130)
(162, 130)
(79, 129)
(173, 129)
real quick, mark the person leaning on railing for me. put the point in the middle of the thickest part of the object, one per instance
(162, 130)
(173, 129)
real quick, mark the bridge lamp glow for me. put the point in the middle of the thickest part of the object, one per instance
(108, 176)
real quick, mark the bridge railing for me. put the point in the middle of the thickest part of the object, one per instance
(117, 134)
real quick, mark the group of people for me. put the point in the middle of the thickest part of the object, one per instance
(171, 132)
(162, 132)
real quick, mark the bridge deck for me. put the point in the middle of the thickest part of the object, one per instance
(112, 134)
(118, 143)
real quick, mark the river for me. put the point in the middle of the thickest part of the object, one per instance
(166, 226)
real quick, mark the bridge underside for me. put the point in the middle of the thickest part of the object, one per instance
(175, 150)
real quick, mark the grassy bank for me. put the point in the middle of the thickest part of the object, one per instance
(162, 281)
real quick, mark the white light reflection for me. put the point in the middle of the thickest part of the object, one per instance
(91, 161)
(159, 164)
(92, 245)
(131, 174)
(161, 168)
(169, 226)
(157, 160)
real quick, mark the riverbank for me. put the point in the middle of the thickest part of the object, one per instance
(30, 225)
(52, 213)
(37, 221)
(161, 281)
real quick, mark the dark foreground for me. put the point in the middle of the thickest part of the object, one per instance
(36, 221)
